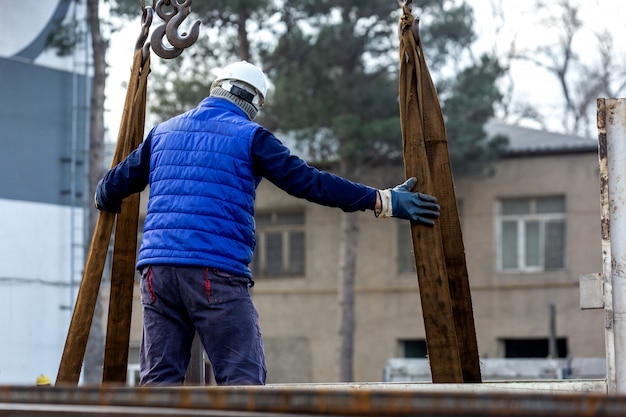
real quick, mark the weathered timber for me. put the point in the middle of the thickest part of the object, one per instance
(116, 351)
(439, 251)
(125, 246)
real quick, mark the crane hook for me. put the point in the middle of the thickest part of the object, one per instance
(159, 48)
(169, 29)
(164, 13)
(146, 21)
(183, 40)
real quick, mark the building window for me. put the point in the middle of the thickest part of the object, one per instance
(533, 348)
(413, 348)
(531, 234)
(280, 244)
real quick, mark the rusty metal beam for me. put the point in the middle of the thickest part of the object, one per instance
(315, 400)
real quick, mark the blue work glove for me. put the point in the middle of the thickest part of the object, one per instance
(401, 202)
(103, 203)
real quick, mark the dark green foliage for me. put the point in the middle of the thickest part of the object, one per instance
(332, 89)
(447, 30)
(333, 66)
(179, 84)
(66, 36)
(468, 107)
(64, 39)
(225, 36)
(127, 8)
(336, 86)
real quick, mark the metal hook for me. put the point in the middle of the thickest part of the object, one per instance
(164, 13)
(159, 48)
(416, 21)
(183, 40)
(173, 18)
(146, 21)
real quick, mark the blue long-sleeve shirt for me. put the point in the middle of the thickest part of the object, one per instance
(271, 160)
(203, 167)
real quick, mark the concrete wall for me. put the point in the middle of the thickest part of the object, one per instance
(299, 316)
(510, 305)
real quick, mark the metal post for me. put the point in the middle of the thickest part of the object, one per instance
(552, 348)
(605, 228)
(615, 124)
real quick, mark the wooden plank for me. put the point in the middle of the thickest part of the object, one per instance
(452, 236)
(439, 252)
(82, 317)
(432, 276)
(121, 296)
(454, 258)
(78, 333)
(125, 243)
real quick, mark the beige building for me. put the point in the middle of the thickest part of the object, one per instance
(530, 231)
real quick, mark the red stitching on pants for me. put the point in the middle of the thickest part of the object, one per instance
(207, 284)
(152, 295)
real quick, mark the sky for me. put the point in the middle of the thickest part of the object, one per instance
(519, 21)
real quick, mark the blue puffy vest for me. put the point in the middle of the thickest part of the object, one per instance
(202, 190)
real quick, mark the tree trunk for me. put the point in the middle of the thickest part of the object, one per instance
(243, 51)
(94, 355)
(347, 271)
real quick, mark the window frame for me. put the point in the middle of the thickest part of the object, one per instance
(407, 347)
(285, 230)
(521, 221)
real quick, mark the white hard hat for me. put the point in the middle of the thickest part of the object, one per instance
(244, 75)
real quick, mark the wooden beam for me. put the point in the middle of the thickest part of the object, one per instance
(125, 243)
(130, 134)
(439, 251)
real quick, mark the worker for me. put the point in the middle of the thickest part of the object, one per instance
(203, 168)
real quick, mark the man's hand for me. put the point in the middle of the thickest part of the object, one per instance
(401, 202)
(102, 203)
